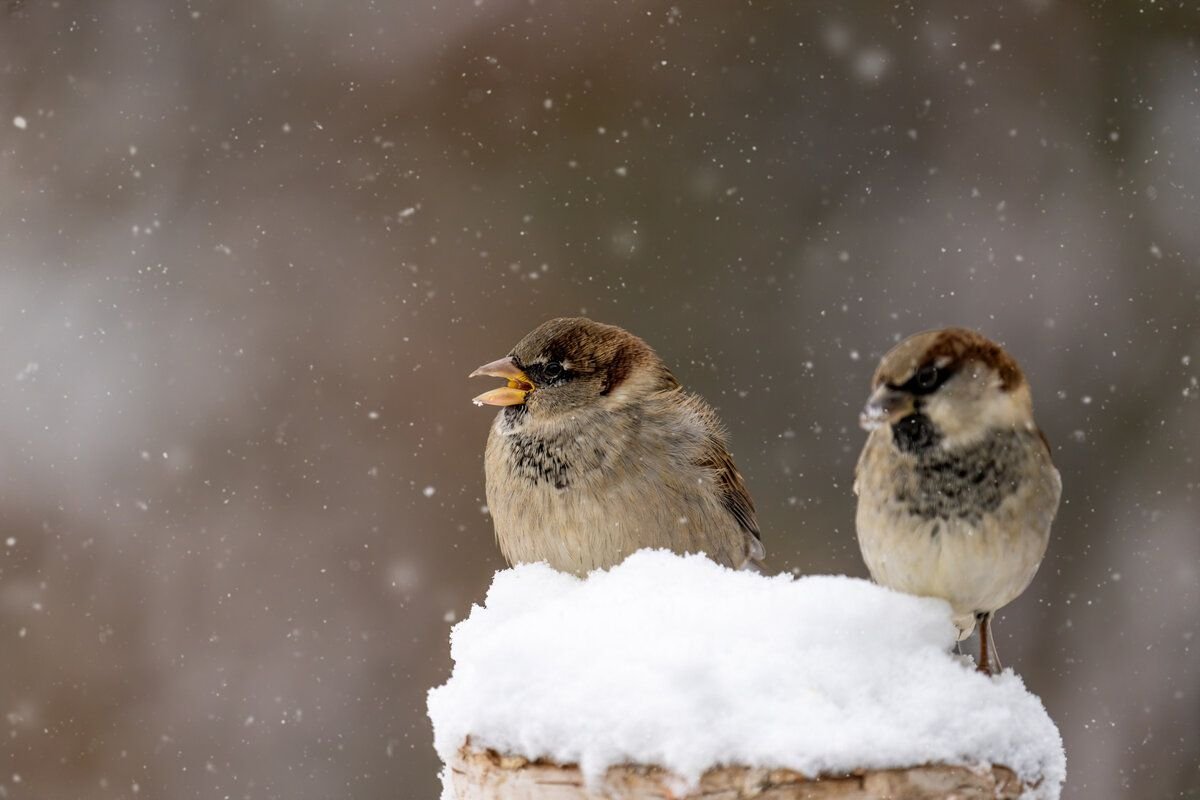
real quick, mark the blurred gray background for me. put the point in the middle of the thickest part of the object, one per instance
(249, 252)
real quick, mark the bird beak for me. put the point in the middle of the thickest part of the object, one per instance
(886, 405)
(514, 393)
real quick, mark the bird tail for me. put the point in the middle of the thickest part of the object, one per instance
(965, 625)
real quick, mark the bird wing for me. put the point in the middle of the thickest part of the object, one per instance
(713, 456)
(734, 495)
(1046, 444)
(858, 465)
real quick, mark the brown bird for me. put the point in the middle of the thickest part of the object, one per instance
(956, 489)
(599, 452)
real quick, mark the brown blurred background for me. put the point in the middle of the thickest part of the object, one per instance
(249, 252)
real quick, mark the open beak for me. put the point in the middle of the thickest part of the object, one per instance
(514, 393)
(885, 406)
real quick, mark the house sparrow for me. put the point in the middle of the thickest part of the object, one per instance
(956, 489)
(599, 452)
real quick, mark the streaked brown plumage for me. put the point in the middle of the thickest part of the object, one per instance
(956, 489)
(599, 452)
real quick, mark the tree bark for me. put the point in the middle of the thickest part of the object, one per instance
(487, 775)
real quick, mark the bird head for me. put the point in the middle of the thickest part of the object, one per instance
(947, 387)
(570, 364)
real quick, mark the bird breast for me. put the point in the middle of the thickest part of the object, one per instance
(587, 496)
(970, 525)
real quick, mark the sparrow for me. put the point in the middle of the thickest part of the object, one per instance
(956, 488)
(598, 451)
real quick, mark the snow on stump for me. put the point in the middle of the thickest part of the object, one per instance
(671, 676)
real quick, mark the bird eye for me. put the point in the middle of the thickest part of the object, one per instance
(552, 369)
(927, 376)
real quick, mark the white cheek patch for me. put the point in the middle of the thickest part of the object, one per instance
(964, 420)
(618, 396)
(637, 384)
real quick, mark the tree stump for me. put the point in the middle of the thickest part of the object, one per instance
(488, 775)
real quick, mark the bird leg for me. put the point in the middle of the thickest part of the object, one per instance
(984, 618)
(997, 667)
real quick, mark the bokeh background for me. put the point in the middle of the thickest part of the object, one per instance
(249, 252)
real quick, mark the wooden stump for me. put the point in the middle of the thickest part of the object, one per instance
(487, 775)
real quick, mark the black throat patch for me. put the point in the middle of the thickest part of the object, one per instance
(539, 460)
(514, 416)
(965, 483)
(915, 434)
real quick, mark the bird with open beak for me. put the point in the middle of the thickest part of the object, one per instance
(598, 452)
(956, 489)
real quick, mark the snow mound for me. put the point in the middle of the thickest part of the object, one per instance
(679, 662)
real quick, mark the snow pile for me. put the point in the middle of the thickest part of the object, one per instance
(678, 662)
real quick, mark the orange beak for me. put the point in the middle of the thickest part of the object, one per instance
(514, 393)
